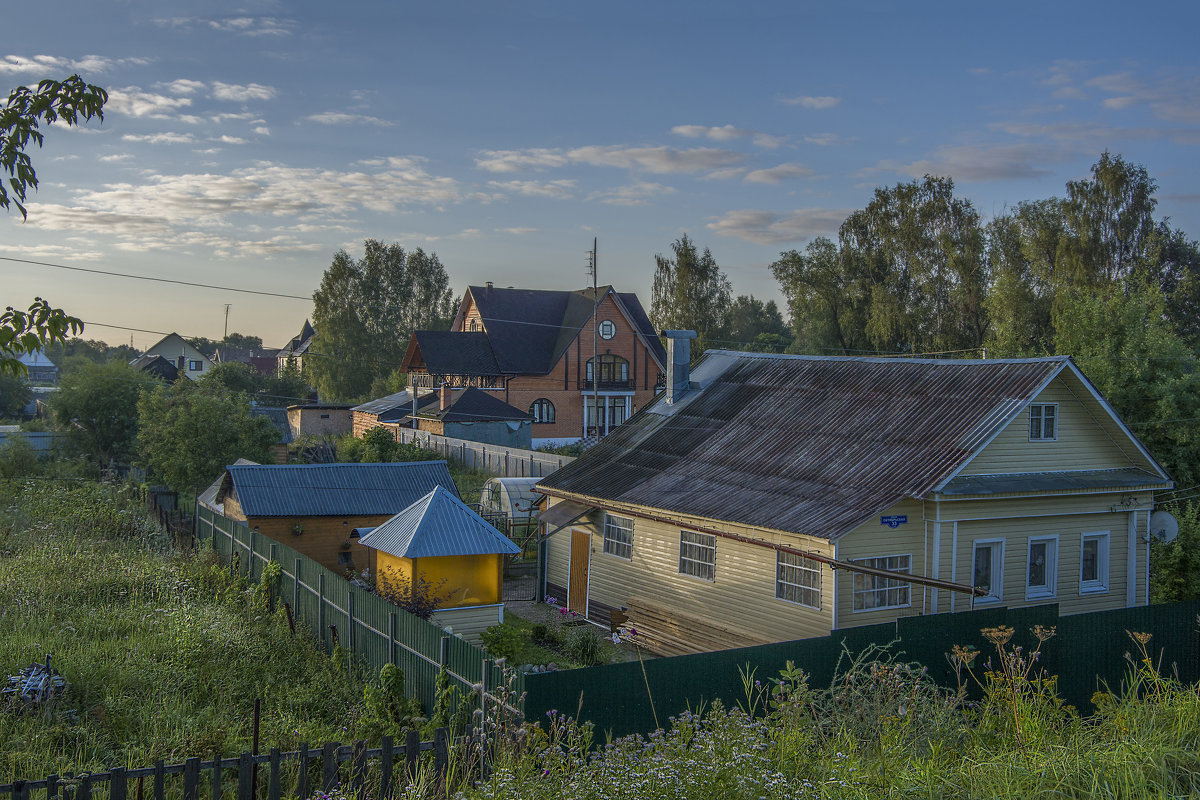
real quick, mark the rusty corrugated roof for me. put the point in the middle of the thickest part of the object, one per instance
(813, 445)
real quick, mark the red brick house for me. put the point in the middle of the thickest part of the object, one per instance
(533, 349)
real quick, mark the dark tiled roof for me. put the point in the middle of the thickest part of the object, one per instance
(156, 366)
(333, 490)
(638, 314)
(439, 524)
(395, 406)
(476, 405)
(457, 352)
(806, 444)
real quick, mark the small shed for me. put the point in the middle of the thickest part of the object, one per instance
(441, 541)
(512, 497)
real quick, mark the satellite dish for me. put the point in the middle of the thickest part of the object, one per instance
(1164, 526)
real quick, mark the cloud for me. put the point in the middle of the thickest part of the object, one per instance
(136, 103)
(780, 173)
(253, 26)
(183, 86)
(517, 231)
(726, 133)
(827, 139)
(658, 160)
(558, 190)
(341, 118)
(635, 194)
(979, 163)
(767, 141)
(262, 130)
(166, 137)
(40, 65)
(816, 103)
(116, 157)
(770, 227)
(515, 160)
(227, 139)
(1172, 95)
(241, 94)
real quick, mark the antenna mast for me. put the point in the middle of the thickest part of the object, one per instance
(227, 319)
(595, 339)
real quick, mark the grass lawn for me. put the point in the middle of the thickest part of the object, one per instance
(165, 652)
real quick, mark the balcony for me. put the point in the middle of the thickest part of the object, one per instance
(424, 380)
(610, 385)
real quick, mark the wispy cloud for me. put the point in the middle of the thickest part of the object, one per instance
(184, 86)
(517, 160)
(242, 93)
(635, 194)
(1171, 95)
(554, 189)
(659, 160)
(166, 137)
(239, 26)
(778, 174)
(979, 163)
(134, 102)
(813, 102)
(343, 118)
(771, 227)
(517, 231)
(727, 133)
(41, 65)
(828, 139)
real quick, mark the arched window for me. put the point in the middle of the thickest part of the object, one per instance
(614, 371)
(474, 325)
(542, 410)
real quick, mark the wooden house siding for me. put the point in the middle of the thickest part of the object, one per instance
(740, 600)
(1086, 438)
(873, 539)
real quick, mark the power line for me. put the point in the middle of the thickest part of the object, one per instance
(155, 279)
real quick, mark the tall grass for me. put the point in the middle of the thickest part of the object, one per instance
(165, 652)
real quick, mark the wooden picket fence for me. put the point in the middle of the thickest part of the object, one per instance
(373, 773)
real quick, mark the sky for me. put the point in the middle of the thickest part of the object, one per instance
(243, 144)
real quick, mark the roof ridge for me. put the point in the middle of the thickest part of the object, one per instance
(889, 359)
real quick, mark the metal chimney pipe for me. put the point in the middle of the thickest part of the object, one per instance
(679, 361)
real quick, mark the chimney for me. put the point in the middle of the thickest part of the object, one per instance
(488, 292)
(444, 396)
(679, 359)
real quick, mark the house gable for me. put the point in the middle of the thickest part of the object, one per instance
(175, 349)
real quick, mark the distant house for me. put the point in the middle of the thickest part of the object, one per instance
(766, 498)
(319, 419)
(40, 368)
(393, 410)
(157, 366)
(262, 361)
(440, 541)
(314, 508)
(476, 416)
(294, 352)
(278, 418)
(539, 351)
(187, 359)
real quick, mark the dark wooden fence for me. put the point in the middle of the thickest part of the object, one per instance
(373, 772)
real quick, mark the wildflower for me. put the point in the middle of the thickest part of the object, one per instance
(1043, 633)
(999, 635)
(1141, 638)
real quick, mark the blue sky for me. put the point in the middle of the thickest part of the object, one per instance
(245, 143)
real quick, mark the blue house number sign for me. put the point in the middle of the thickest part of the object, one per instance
(894, 520)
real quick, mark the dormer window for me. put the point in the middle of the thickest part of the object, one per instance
(1043, 422)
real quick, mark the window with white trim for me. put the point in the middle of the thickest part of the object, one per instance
(1043, 422)
(698, 555)
(1093, 562)
(618, 536)
(874, 592)
(988, 569)
(1042, 575)
(797, 579)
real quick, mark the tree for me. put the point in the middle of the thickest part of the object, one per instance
(67, 101)
(96, 405)
(690, 292)
(824, 297)
(24, 332)
(231, 377)
(756, 325)
(14, 395)
(364, 312)
(187, 435)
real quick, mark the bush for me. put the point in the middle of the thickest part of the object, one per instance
(420, 598)
(504, 641)
(585, 647)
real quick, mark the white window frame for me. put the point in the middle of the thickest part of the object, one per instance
(789, 575)
(1100, 584)
(546, 414)
(607, 329)
(1041, 433)
(861, 591)
(695, 567)
(997, 548)
(613, 526)
(1050, 590)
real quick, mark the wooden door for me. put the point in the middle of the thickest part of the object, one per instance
(577, 579)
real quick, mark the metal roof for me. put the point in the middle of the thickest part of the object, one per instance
(808, 444)
(475, 405)
(1052, 481)
(400, 401)
(333, 490)
(439, 524)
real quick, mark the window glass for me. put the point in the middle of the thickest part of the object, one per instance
(988, 568)
(876, 591)
(618, 536)
(1041, 580)
(542, 410)
(698, 555)
(1093, 562)
(1043, 422)
(797, 580)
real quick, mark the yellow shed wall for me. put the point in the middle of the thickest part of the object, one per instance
(469, 580)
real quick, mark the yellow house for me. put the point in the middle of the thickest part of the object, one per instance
(768, 498)
(438, 540)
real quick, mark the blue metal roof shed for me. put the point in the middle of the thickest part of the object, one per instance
(439, 524)
(333, 490)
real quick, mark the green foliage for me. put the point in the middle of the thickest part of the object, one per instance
(97, 406)
(387, 712)
(18, 459)
(269, 390)
(690, 292)
(364, 312)
(14, 395)
(574, 450)
(1175, 566)
(755, 326)
(504, 641)
(419, 598)
(67, 102)
(585, 647)
(36, 328)
(188, 435)
(379, 446)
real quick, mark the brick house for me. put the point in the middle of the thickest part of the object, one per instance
(533, 349)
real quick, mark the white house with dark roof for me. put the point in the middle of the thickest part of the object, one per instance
(186, 359)
(768, 498)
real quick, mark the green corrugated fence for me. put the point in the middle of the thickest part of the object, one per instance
(368, 626)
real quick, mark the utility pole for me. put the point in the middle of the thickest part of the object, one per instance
(595, 340)
(227, 305)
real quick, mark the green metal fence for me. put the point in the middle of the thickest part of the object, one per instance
(369, 627)
(1087, 652)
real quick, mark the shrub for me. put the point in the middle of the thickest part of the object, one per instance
(585, 647)
(420, 598)
(504, 641)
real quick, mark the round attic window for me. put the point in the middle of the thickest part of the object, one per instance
(608, 329)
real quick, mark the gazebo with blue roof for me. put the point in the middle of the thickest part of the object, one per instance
(440, 541)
